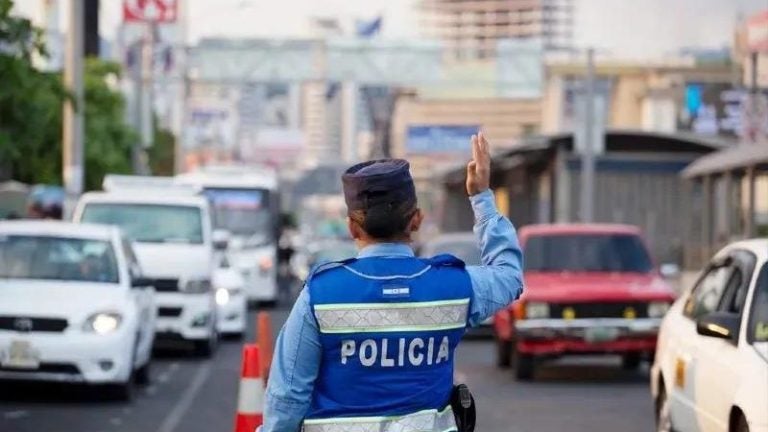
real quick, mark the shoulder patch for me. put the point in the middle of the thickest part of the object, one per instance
(445, 260)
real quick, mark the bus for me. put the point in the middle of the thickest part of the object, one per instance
(245, 203)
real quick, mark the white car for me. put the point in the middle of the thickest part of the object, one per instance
(231, 298)
(74, 307)
(711, 368)
(171, 233)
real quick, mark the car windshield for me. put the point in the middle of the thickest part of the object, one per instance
(242, 212)
(57, 258)
(587, 253)
(150, 223)
(467, 251)
(758, 322)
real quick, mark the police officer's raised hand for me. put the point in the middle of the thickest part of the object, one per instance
(479, 168)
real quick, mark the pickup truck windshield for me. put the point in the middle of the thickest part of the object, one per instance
(587, 253)
(150, 223)
(57, 258)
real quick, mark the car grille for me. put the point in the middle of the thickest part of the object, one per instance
(599, 310)
(60, 368)
(166, 285)
(32, 324)
(168, 311)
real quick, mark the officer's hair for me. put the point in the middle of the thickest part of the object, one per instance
(385, 221)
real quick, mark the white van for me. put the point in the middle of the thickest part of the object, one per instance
(244, 202)
(171, 231)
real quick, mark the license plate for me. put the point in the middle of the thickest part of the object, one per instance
(21, 355)
(601, 334)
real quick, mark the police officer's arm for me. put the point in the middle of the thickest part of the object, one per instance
(499, 280)
(294, 369)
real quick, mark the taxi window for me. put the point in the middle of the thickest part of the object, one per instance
(758, 321)
(737, 287)
(708, 293)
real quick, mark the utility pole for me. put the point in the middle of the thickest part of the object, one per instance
(72, 140)
(587, 198)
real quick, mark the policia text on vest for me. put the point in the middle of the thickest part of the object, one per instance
(389, 352)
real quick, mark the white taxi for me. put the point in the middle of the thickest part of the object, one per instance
(711, 368)
(74, 306)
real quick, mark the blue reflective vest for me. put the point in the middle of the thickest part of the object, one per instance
(388, 328)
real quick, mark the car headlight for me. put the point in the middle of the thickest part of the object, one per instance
(657, 309)
(103, 322)
(222, 296)
(535, 310)
(198, 286)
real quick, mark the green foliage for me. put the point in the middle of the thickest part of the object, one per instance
(161, 154)
(31, 103)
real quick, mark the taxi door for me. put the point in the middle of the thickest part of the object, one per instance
(685, 362)
(718, 359)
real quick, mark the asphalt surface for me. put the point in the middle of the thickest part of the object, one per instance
(191, 394)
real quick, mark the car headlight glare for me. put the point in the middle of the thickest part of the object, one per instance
(535, 310)
(198, 286)
(657, 309)
(222, 296)
(103, 323)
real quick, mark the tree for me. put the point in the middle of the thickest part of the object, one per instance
(31, 111)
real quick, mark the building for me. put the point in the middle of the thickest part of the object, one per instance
(664, 97)
(471, 29)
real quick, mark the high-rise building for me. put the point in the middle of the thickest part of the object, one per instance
(471, 29)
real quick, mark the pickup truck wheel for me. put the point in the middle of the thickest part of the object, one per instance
(503, 353)
(631, 361)
(524, 366)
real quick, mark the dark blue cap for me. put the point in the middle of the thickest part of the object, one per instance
(377, 182)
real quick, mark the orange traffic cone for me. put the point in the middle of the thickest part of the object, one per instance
(264, 339)
(250, 399)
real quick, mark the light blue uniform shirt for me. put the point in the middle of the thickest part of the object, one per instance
(296, 359)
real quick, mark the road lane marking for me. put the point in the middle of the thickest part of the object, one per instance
(182, 406)
(116, 421)
(13, 415)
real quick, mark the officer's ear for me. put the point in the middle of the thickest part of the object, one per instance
(355, 230)
(416, 220)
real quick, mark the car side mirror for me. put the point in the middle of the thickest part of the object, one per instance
(220, 239)
(722, 325)
(140, 282)
(669, 270)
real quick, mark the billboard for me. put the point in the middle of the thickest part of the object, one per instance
(159, 11)
(439, 139)
(720, 109)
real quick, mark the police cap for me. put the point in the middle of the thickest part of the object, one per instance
(377, 182)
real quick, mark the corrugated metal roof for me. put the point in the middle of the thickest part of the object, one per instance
(740, 156)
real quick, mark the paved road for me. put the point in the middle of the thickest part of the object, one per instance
(195, 395)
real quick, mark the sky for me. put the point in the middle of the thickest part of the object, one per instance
(631, 29)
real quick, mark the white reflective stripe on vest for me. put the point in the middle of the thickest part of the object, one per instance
(422, 421)
(392, 317)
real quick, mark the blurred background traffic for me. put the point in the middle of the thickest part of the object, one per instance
(186, 155)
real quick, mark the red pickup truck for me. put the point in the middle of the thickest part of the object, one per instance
(589, 289)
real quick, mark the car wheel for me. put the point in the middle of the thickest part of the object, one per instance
(524, 366)
(143, 374)
(503, 353)
(741, 425)
(207, 347)
(663, 412)
(631, 361)
(120, 391)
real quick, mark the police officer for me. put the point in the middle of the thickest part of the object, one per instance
(369, 344)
